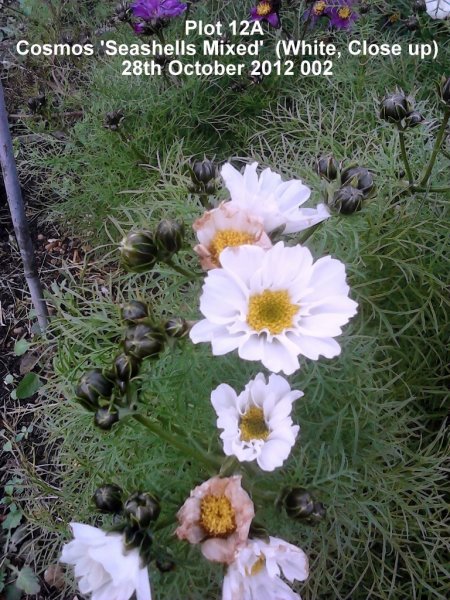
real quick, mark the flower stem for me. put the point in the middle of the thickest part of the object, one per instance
(182, 270)
(437, 145)
(401, 136)
(175, 441)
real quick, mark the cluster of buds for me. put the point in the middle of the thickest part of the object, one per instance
(142, 249)
(347, 187)
(301, 505)
(104, 392)
(203, 175)
(139, 511)
(398, 108)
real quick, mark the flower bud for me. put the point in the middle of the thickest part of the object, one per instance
(395, 107)
(299, 503)
(36, 103)
(134, 537)
(134, 311)
(210, 187)
(126, 367)
(142, 508)
(169, 237)
(358, 177)
(347, 200)
(164, 565)
(445, 89)
(105, 418)
(319, 512)
(412, 23)
(420, 6)
(108, 498)
(123, 12)
(142, 341)
(138, 250)
(177, 327)
(113, 120)
(202, 171)
(93, 385)
(414, 119)
(327, 167)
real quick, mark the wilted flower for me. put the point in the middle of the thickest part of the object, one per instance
(341, 13)
(227, 226)
(438, 9)
(217, 515)
(257, 424)
(155, 14)
(104, 567)
(256, 572)
(266, 10)
(272, 305)
(275, 201)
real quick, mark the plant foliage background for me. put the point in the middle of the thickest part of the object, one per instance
(373, 446)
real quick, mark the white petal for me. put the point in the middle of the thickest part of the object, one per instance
(203, 331)
(305, 218)
(312, 347)
(223, 398)
(143, 591)
(280, 355)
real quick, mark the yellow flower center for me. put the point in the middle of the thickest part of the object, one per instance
(319, 7)
(253, 425)
(263, 9)
(271, 310)
(259, 565)
(226, 238)
(217, 516)
(344, 12)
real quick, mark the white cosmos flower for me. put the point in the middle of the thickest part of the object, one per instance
(438, 9)
(255, 573)
(257, 424)
(275, 201)
(272, 305)
(103, 566)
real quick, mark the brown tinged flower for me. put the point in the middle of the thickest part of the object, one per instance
(224, 227)
(217, 515)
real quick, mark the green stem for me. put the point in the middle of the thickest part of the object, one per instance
(181, 270)
(401, 136)
(176, 442)
(437, 145)
(438, 190)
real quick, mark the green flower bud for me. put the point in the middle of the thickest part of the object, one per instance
(177, 327)
(445, 89)
(203, 171)
(318, 513)
(414, 119)
(143, 341)
(138, 250)
(93, 385)
(108, 498)
(347, 200)
(126, 367)
(395, 107)
(134, 311)
(106, 417)
(327, 167)
(142, 508)
(299, 503)
(169, 237)
(358, 177)
(165, 565)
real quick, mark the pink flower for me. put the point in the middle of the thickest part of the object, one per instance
(227, 226)
(217, 515)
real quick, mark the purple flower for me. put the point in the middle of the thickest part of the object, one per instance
(152, 10)
(266, 10)
(316, 11)
(341, 13)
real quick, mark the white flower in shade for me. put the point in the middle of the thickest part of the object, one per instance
(104, 567)
(257, 424)
(227, 226)
(255, 573)
(438, 9)
(275, 201)
(272, 305)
